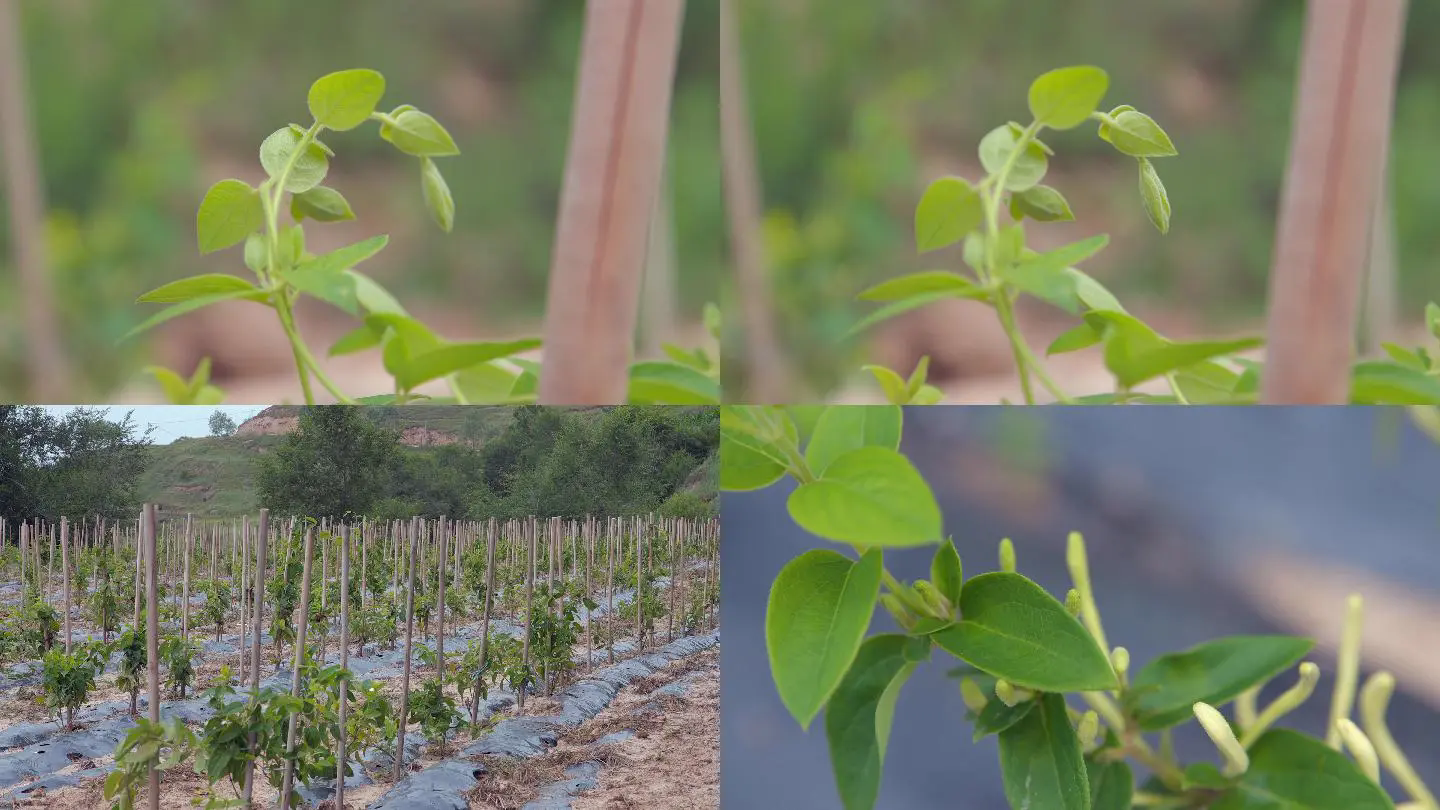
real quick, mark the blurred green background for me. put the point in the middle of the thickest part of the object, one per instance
(858, 105)
(140, 106)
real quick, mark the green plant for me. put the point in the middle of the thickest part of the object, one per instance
(296, 163)
(953, 211)
(131, 675)
(69, 677)
(141, 750)
(104, 601)
(217, 602)
(1025, 654)
(434, 710)
(41, 623)
(179, 657)
(553, 633)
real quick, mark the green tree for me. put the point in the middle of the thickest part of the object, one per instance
(221, 424)
(336, 461)
(80, 464)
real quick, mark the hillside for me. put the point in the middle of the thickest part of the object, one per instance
(215, 475)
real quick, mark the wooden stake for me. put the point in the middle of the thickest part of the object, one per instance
(296, 665)
(409, 630)
(152, 638)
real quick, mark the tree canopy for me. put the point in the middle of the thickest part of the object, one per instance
(80, 464)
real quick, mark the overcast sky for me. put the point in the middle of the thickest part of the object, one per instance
(171, 422)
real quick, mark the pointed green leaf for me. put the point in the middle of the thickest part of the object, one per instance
(201, 285)
(842, 428)
(1137, 135)
(891, 383)
(858, 718)
(945, 571)
(925, 283)
(419, 134)
(1042, 204)
(1153, 195)
(322, 204)
(452, 357)
(186, 307)
(1011, 628)
(307, 171)
(1065, 98)
(872, 496)
(1291, 771)
(1164, 690)
(230, 211)
(1029, 166)
(660, 383)
(1112, 785)
(437, 195)
(345, 99)
(1378, 383)
(1041, 760)
(819, 609)
(949, 209)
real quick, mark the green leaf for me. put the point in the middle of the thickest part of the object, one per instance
(452, 357)
(1029, 167)
(419, 134)
(1380, 383)
(322, 204)
(230, 211)
(927, 395)
(1065, 98)
(804, 418)
(487, 383)
(1011, 628)
(1047, 276)
(945, 571)
(1041, 760)
(858, 718)
(872, 496)
(842, 428)
(894, 308)
(660, 383)
(345, 99)
(1081, 337)
(437, 195)
(1432, 319)
(1112, 785)
(743, 467)
(357, 340)
(997, 717)
(325, 284)
(1292, 771)
(896, 391)
(949, 209)
(819, 609)
(1042, 204)
(201, 285)
(344, 258)
(1408, 358)
(1134, 353)
(373, 297)
(309, 168)
(176, 388)
(928, 282)
(1152, 194)
(1163, 692)
(186, 307)
(1137, 135)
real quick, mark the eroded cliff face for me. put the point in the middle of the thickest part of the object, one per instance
(278, 420)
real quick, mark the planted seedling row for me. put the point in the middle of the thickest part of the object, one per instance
(521, 595)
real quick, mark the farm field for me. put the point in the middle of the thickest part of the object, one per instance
(508, 724)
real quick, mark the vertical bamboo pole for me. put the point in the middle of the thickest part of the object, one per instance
(185, 598)
(490, 538)
(409, 630)
(440, 607)
(65, 574)
(152, 639)
(257, 596)
(296, 665)
(1344, 106)
(532, 538)
(610, 622)
(344, 695)
(618, 137)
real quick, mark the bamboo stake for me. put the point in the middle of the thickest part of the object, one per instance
(185, 599)
(409, 630)
(152, 640)
(65, 564)
(257, 597)
(344, 694)
(296, 665)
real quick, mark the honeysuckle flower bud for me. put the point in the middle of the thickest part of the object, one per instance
(1285, 703)
(1010, 694)
(1072, 602)
(1079, 566)
(1089, 731)
(1215, 725)
(1374, 700)
(1007, 555)
(973, 695)
(1360, 748)
(1120, 660)
(1347, 669)
(897, 610)
(939, 606)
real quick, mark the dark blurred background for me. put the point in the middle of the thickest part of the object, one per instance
(857, 106)
(139, 107)
(1200, 522)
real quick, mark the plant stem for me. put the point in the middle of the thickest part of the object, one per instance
(1003, 305)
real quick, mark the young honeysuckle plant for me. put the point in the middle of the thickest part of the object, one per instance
(1071, 715)
(988, 218)
(296, 162)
